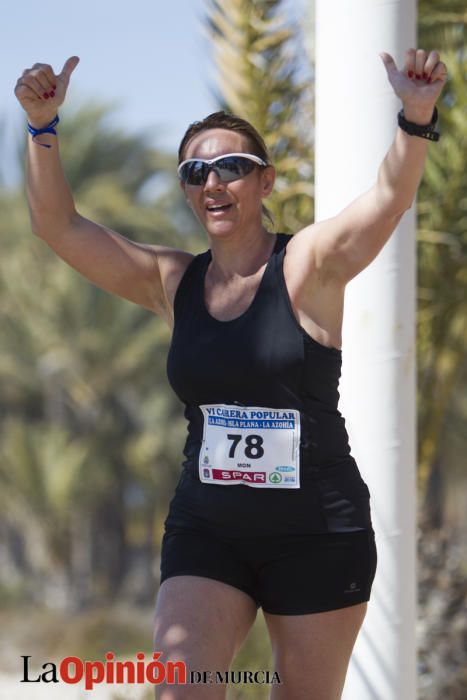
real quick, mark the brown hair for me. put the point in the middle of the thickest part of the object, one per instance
(224, 120)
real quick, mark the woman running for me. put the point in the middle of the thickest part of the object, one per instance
(270, 510)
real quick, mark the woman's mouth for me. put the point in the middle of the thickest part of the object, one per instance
(218, 209)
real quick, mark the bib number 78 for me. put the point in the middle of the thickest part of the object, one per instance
(254, 446)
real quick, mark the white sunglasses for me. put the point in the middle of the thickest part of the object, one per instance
(228, 168)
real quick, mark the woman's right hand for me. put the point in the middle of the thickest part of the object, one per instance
(40, 92)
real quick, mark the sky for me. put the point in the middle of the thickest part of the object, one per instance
(151, 59)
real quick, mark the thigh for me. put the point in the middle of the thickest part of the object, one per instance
(311, 652)
(202, 622)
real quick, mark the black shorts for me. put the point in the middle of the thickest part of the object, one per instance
(288, 574)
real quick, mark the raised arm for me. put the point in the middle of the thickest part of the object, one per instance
(140, 273)
(344, 245)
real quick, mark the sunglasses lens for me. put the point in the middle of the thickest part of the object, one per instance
(233, 168)
(194, 173)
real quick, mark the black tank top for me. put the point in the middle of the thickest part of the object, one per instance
(262, 358)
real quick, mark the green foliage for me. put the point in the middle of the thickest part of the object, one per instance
(442, 258)
(257, 54)
(442, 24)
(91, 434)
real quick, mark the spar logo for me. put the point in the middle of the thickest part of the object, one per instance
(234, 475)
(275, 478)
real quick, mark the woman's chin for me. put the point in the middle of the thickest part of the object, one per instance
(219, 229)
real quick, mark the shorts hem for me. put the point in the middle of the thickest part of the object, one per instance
(212, 577)
(305, 610)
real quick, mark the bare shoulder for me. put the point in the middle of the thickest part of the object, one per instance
(172, 264)
(316, 295)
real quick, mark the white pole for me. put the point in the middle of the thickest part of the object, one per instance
(355, 124)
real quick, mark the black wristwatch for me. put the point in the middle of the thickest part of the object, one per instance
(426, 131)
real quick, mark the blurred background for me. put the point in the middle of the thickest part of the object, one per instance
(90, 431)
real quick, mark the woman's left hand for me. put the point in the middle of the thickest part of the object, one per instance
(420, 82)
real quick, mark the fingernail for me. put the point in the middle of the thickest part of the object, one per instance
(419, 77)
(425, 76)
(51, 94)
(410, 73)
(45, 95)
(54, 87)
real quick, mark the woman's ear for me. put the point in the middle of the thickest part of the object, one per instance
(269, 178)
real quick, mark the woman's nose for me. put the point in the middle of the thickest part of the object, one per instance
(213, 181)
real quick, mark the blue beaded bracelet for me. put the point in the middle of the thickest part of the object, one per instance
(49, 129)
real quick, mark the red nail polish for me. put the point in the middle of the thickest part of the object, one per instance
(45, 95)
(54, 87)
(419, 77)
(410, 73)
(425, 76)
(51, 94)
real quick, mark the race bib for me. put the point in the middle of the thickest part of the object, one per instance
(255, 446)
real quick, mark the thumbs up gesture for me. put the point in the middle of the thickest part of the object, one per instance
(420, 82)
(40, 91)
